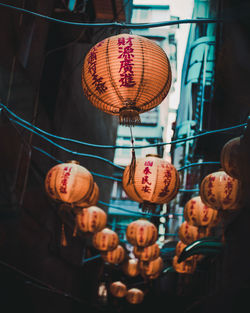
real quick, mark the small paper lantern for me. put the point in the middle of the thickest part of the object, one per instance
(196, 213)
(148, 253)
(188, 233)
(91, 200)
(131, 267)
(126, 75)
(105, 240)
(91, 219)
(154, 181)
(151, 267)
(69, 182)
(185, 267)
(141, 233)
(118, 289)
(135, 296)
(115, 256)
(220, 191)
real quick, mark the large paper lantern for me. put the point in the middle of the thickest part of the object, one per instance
(126, 75)
(185, 267)
(135, 296)
(69, 182)
(148, 253)
(115, 256)
(196, 213)
(188, 233)
(154, 181)
(91, 219)
(141, 233)
(91, 200)
(118, 289)
(151, 267)
(131, 267)
(105, 240)
(220, 191)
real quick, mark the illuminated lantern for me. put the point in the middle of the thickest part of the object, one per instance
(151, 267)
(92, 200)
(105, 240)
(196, 213)
(115, 256)
(141, 233)
(69, 182)
(135, 296)
(118, 289)
(188, 233)
(148, 253)
(126, 75)
(185, 267)
(155, 180)
(220, 191)
(230, 157)
(91, 219)
(131, 267)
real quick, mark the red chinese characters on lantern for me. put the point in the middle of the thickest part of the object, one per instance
(64, 181)
(125, 49)
(146, 188)
(228, 191)
(210, 193)
(166, 181)
(205, 212)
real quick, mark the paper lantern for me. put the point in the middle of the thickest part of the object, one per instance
(69, 182)
(105, 240)
(230, 157)
(220, 191)
(151, 267)
(135, 296)
(91, 219)
(131, 267)
(91, 200)
(154, 181)
(188, 233)
(126, 75)
(185, 267)
(115, 256)
(141, 233)
(148, 253)
(118, 289)
(196, 213)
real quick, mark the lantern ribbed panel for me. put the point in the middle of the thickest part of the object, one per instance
(230, 157)
(151, 267)
(118, 289)
(155, 181)
(124, 68)
(148, 253)
(141, 233)
(196, 213)
(185, 267)
(69, 182)
(134, 296)
(92, 200)
(220, 191)
(91, 219)
(188, 233)
(131, 267)
(115, 256)
(105, 240)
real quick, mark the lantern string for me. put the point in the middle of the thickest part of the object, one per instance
(133, 160)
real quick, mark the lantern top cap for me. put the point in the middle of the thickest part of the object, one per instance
(73, 162)
(153, 155)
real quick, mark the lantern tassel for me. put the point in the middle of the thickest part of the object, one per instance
(132, 167)
(63, 237)
(75, 230)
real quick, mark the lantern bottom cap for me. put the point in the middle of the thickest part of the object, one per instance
(129, 117)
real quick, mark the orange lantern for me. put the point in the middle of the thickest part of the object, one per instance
(131, 267)
(154, 181)
(188, 233)
(91, 200)
(148, 253)
(135, 296)
(91, 219)
(151, 267)
(220, 191)
(196, 213)
(69, 182)
(126, 75)
(141, 233)
(185, 267)
(118, 289)
(115, 256)
(105, 240)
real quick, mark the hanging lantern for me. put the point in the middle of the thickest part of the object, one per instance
(105, 240)
(69, 182)
(115, 256)
(126, 75)
(196, 213)
(151, 267)
(91, 219)
(188, 233)
(220, 191)
(141, 233)
(179, 248)
(91, 200)
(154, 181)
(118, 289)
(185, 267)
(135, 296)
(148, 253)
(131, 267)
